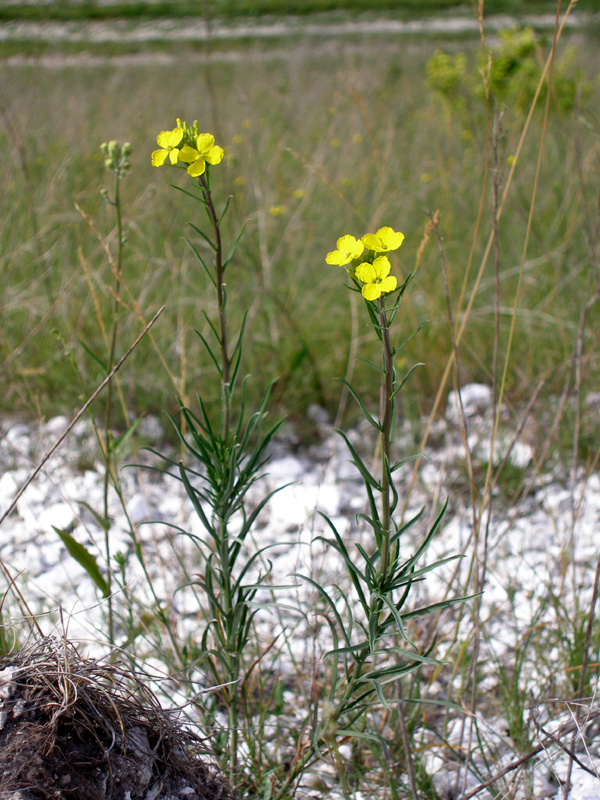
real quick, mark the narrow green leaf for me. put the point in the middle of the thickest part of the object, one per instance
(327, 599)
(102, 364)
(85, 559)
(225, 210)
(124, 438)
(362, 406)
(229, 255)
(206, 268)
(371, 364)
(400, 386)
(421, 612)
(358, 463)
(206, 238)
(103, 521)
(197, 197)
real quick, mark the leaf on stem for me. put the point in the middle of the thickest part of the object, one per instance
(85, 559)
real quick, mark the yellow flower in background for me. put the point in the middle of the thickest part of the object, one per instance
(276, 211)
(206, 151)
(376, 278)
(298, 194)
(168, 141)
(348, 248)
(385, 240)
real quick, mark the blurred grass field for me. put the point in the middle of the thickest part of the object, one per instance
(322, 138)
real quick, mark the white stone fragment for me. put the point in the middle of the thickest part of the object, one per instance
(476, 399)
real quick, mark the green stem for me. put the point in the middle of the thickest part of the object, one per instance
(228, 642)
(108, 454)
(221, 301)
(387, 411)
(230, 648)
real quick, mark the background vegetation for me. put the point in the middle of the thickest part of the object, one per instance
(321, 137)
(90, 9)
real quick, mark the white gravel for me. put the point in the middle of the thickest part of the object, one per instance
(528, 547)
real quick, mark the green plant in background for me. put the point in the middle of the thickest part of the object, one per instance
(112, 576)
(513, 69)
(116, 162)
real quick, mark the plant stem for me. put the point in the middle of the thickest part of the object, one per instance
(387, 411)
(107, 449)
(221, 302)
(227, 630)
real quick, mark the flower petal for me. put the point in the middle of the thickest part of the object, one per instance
(337, 258)
(173, 155)
(159, 157)
(169, 139)
(371, 241)
(197, 168)
(382, 266)
(390, 239)
(188, 154)
(349, 244)
(204, 142)
(371, 291)
(366, 273)
(214, 155)
(388, 284)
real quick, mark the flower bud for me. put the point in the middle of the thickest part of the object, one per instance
(114, 150)
(104, 149)
(126, 149)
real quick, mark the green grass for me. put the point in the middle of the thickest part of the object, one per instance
(62, 10)
(356, 130)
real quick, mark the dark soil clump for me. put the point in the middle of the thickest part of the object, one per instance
(77, 729)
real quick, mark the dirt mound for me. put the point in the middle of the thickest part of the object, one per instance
(75, 728)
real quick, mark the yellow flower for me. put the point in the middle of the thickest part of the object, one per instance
(275, 211)
(168, 141)
(376, 278)
(348, 248)
(205, 151)
(298, 194)
(384, 240)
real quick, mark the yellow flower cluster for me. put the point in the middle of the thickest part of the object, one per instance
(186, 143)
(373, 272)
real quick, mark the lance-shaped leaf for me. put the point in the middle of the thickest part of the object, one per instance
(86, 559)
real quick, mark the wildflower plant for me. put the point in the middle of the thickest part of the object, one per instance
(371, 644)
(228, 456)
(372, 648)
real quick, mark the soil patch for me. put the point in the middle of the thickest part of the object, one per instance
(77, 728)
